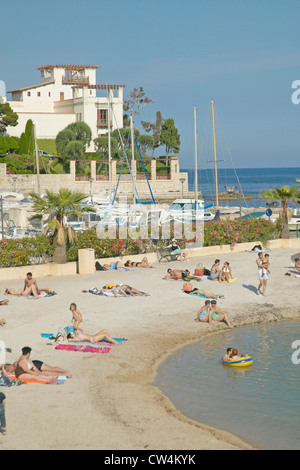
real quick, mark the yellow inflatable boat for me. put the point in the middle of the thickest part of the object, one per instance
(241, 362)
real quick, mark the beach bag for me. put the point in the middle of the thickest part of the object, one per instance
(187, 287)
(199, 270)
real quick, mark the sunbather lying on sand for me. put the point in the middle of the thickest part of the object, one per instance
(180, 274)
(118, 266)
(205, 293)
(25, 293)
(10, 369)
(2, 322)
(138, 264)
(123, 290)
(94, 339)
(132, 291)
(32, 290)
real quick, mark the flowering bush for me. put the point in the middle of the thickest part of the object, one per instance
(25, 251)
(39, 249)
(107, 247)
(231, 232)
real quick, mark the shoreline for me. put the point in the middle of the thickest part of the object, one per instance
(112, 401)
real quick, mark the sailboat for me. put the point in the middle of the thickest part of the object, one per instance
(187, 210)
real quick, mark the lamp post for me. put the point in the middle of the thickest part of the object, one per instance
(182, 180)
(91, 189)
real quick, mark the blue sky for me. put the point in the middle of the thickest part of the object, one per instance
(243, 54)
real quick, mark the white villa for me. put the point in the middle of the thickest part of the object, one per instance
(66, 94)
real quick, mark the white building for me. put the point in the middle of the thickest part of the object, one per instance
(66, 94)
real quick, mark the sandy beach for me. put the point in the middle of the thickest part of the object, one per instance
(111, 402)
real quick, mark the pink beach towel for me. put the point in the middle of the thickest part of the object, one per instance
(82, 348)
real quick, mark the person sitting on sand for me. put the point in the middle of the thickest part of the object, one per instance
(139, 264)
(203, 313)
(215, 272)
(225, 274)
(177, 250)
(226, 358)
(2, 322)
(205, 293)
(94, 339)
(29, 281)
(76, 317)
(181, 274)
(216, 314)
(26, 370)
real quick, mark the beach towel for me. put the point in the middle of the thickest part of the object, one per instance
(82, 348)
(60, 380)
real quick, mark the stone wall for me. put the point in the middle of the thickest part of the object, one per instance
(160, 184)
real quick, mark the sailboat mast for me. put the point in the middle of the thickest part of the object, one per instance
(196, 162)
(109, 146)
(215, 154)
(37, 162)
(132, 159)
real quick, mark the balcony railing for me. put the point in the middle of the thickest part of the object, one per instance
(78, 80)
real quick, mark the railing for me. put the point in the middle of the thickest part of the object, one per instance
(82, 177)
(142, 176)
(166, 176)
(67, 80)
(102, 177)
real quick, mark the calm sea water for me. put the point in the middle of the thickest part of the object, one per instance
(252, 181)
(260, 404)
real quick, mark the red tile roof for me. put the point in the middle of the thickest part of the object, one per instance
(68, 67)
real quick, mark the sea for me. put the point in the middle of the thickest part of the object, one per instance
(251, 181)
(259, 403)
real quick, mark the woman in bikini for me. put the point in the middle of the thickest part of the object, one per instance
(94, 339)
(139, 264)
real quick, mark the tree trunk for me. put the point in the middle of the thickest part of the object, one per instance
(285, 231)
(60, 254)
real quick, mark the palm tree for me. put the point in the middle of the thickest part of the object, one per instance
(284, 195)
(59, 206)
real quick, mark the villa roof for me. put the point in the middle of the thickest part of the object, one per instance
(68, 67)
(31, 86)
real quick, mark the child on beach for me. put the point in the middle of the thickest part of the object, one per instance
(76, 317)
